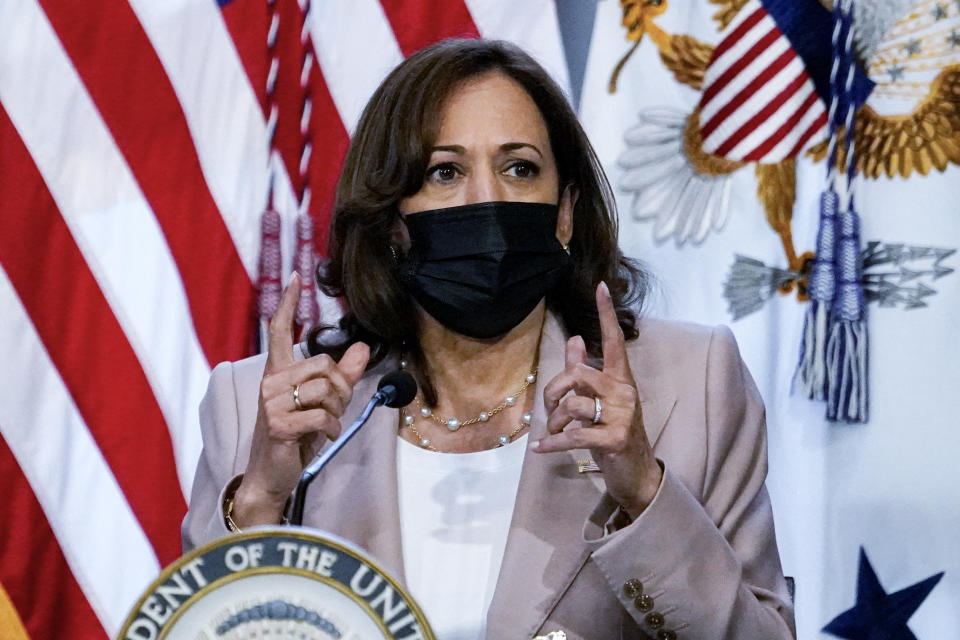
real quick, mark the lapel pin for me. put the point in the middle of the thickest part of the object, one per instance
(587, 466)
(553, 635)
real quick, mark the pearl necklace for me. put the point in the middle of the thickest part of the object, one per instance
(502, 440)
(453, 423)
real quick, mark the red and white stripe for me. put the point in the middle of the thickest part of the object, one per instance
(758, 102)
(133, 171)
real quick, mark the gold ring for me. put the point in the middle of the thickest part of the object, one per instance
(296, 398)
(597, 410)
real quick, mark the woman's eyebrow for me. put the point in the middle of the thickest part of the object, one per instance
(453, 148)
(513, 146)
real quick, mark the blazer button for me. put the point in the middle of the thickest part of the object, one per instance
(632, 588)
(654, 619)
(666, 634)
(644, 603)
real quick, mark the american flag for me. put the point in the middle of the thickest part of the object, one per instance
(766, 90)
(133, 173)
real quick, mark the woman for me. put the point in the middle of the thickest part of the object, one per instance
(474, 241)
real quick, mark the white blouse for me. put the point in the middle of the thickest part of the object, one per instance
(455, 512)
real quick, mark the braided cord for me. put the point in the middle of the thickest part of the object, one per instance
(273, 111)
(306, 106)
(846, 19)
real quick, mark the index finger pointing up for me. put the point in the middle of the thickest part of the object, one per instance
(280, 351)
(615, 360)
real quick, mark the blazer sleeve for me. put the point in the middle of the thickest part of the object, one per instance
(218, 466)
(708, 566)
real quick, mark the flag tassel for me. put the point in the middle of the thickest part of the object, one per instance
(847, 347)
(269, 285)
(812, 369)
(305, 261)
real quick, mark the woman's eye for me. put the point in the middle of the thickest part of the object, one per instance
(523, 169)
(445, 172)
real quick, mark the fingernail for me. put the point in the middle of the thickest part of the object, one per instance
(536, 445)
(605, 288)
(292, 276)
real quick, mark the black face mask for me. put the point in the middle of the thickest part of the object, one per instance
(480, 269)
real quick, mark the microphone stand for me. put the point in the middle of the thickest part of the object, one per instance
(312, 469)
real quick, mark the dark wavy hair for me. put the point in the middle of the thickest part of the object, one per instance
(387, 161)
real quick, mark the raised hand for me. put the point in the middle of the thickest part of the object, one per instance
(616, 438)
(299, 408)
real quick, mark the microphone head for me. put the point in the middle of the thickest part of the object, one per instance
(399, 387)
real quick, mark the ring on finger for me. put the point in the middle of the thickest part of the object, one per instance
(296, 398)
(597, 410)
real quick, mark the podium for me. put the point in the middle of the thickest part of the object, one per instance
(280, 583)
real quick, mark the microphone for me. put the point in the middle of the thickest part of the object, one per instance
(398, 389)
(395, 389)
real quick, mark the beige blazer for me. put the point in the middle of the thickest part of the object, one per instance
(704, 551)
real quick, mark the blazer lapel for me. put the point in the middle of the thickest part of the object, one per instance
(656, 411)
(355, 496)
(657, 396)
(545, 547)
